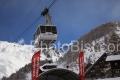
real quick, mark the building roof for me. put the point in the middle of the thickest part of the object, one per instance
(113, 58)
(59, 74)
(117, 78)
(48, 64)
(95, 63)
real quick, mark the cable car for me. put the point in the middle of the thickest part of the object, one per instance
(45, 35)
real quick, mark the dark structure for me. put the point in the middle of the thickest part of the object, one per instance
(104, 67)
(59, 74)
(100, 69)
(87, 66)
(115, 64)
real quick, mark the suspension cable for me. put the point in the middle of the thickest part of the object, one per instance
(52, 4)
(25, 18)
(34, 22)
(28, 28)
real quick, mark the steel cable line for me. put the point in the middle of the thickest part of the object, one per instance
(52, 4)
(26, 30)
(25, 18)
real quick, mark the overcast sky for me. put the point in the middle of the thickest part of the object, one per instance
(73, 18)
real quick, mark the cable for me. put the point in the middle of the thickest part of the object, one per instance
(46, 11)
(52, 4)
(25, 18)
(34, 21)
(28, 28)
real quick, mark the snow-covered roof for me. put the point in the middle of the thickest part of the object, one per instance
(113, 58)
(48, 64)
(94, 63)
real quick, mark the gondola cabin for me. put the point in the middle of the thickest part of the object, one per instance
(45, 36)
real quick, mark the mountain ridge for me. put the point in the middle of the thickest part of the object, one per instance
(14, 56)
(97, 36)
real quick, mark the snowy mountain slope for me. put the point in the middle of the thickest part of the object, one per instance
(97, 40)
(92, 54)
(102, 46)
(13, 56)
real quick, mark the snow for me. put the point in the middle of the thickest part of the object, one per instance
(52, 53)
(14, 56)
(117, 78)
(28, 76)
(113, 58)
(48, 64)
(95, 55)
(118, 30)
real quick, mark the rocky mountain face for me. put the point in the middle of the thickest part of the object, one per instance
(94, 44)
